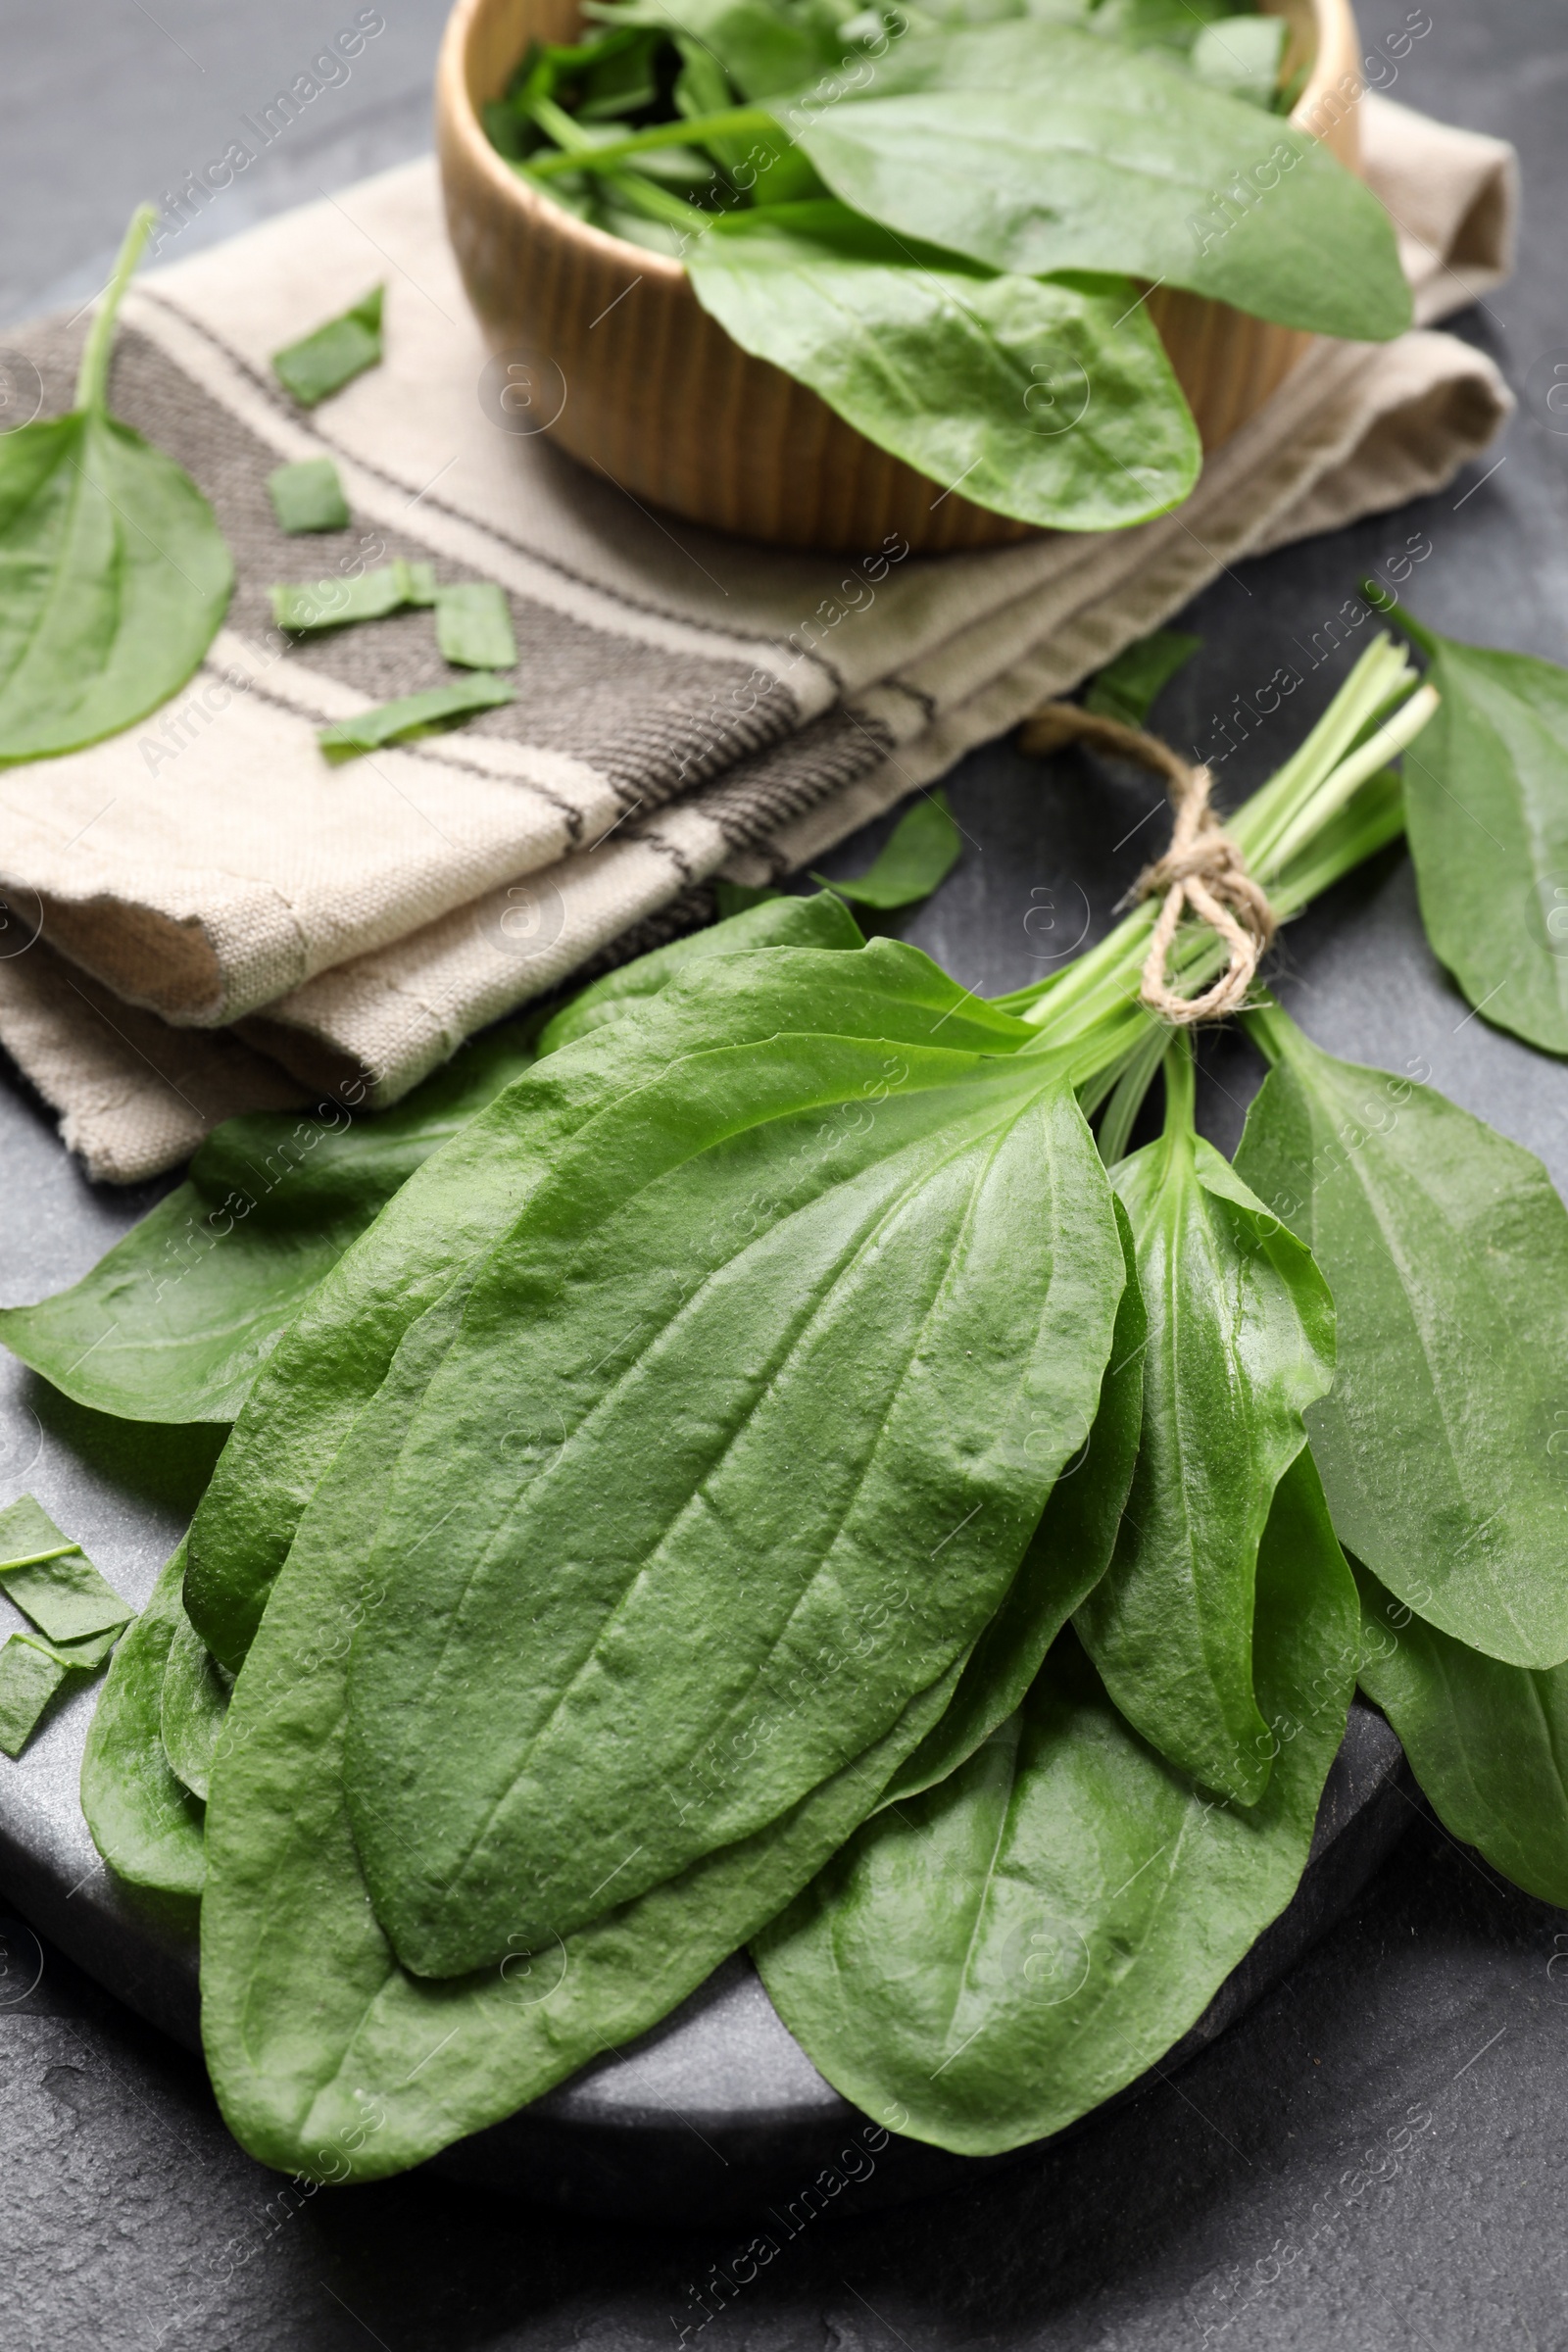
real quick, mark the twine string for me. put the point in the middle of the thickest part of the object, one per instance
(1202, 869)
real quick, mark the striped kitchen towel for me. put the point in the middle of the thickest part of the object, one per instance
(202, 917)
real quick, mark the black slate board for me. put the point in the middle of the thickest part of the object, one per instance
(718, 2109)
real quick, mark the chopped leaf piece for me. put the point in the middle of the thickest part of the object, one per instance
(33, 1668)
(192, 1707)
(925, 846)
(412, 714)
(370, 596)
(30, 1677)
(84, 1656)
(1129, 687)
(29, 1533)
(51, 1579)
(330, 357)
(308, 497)
(67, 1599)
(473, 626)
(147, 1827)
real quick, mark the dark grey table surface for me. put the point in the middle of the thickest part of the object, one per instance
(1373, 2157)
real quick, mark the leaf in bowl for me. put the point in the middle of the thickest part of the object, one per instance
(1038, 148)
(1053, 403)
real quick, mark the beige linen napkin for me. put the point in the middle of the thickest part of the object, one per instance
(204, 916)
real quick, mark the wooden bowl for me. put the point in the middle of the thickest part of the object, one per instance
(659, 398)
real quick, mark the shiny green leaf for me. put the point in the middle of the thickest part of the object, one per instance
(925, 846)
(1443, 1444)
(329, 2059)
(332, 1362)
(1068, 1553)
(147, 1827)
(114, 575)
(191, 1707)
(1241, 1343)
(762, 49)
(1006, 1952)
(1128, 686)
(1052, 403)
(174, 1322)
(897, 1261)
(1486, 808)
(1040, 148)
(773, 921)
(1488, 1742)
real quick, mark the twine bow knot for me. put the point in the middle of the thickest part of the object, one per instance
(1202, 868)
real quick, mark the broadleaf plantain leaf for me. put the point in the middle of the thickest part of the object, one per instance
(1486, 1742)
(1041, 148)
(1445, 1248)
(114, 575)
(1002, 1954)
(329, 2058)
(895, 1261)
(1241, 1343)
(1053, 403)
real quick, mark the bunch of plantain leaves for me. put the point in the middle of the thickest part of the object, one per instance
(747, 1465)
(944, 219)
